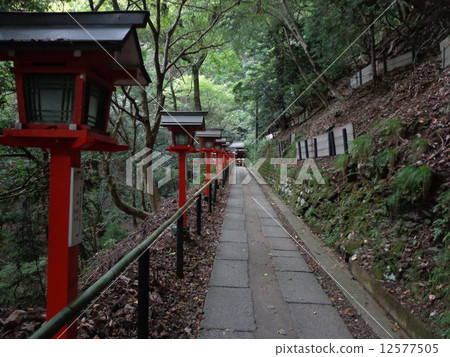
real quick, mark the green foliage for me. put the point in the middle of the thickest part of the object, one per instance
(385, 162)
(413, 181)
(410, 184)
(443, 321)
(419, 147)
(341, 163)
(291, 151)
(362, 148)
(23, 284)
(218, 100)
(392, 130)
(441, 225)
(113, 234)
(395, 203)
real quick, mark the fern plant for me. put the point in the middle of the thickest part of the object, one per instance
(410, 184)
(392, 130)
(419, 147)
(341, 163)
(385, 162)
(414, 181)
(362, 148)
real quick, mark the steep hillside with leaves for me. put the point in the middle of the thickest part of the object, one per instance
(386, 204)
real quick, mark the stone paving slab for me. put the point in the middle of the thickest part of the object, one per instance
(235, 216)
(310, 320)
(225, 334)
(264, 214)
(258, 197)
(291, 264)
(272, 231)
(235, 210)
(270, 222)
(285, 253)
(281, 244)
(219, 315)
(233, 224)
(301, 288)
(232, 251)
(229, 273)
(237, 202)
(233, 236)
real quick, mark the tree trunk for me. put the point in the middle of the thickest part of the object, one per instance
(132, 211)
(196, 83)
(174, 97)
(322, 98)
(373, 54)
(296, 32)
(195, 78)
(256, 119)
(151, 132)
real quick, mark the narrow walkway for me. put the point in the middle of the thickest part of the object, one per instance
(260, 286)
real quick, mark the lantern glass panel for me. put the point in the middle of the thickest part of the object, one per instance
(96, 105)
(49, 98)
(208, 144)
(181, 138)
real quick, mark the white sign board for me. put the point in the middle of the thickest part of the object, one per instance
(76, 207)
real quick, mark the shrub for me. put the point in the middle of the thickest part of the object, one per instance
(362, 148)
(392, 130)
(441, 225)
(419, 147)
(410, 184)
(414, 181)
(341, 163)
(385, 161)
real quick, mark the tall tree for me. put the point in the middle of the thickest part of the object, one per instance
(177, 30)
(287, 14)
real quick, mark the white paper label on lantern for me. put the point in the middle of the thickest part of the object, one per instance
(76, 207)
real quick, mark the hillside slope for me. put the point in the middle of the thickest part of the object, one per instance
(386, 203)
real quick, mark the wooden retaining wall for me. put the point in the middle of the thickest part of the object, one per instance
(332, 143)
(365, 75)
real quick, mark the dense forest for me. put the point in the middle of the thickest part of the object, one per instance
(255, 66)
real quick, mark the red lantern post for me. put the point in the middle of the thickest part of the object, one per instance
(64, 82)
(208, 138)
(183, 126)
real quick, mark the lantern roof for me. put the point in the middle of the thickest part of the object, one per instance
(209, 133)
(237, 145)
(184, 119)
(78, 32)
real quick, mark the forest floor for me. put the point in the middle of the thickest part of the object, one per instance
(175, 304)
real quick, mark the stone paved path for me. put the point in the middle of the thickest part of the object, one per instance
(260, 286)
